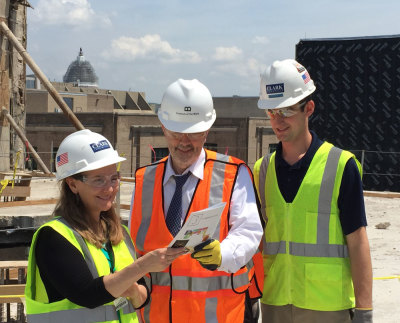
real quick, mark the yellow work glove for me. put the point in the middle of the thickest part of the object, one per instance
(208, 254)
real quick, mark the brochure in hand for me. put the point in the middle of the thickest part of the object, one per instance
(199, 227)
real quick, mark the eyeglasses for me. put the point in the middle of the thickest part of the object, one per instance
(285, 112)
(191, 136)
(101, 181)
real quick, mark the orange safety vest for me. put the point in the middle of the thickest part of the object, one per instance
(185, 291)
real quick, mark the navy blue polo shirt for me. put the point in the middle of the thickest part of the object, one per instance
(351, 198)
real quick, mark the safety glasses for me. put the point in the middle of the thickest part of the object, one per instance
(101, 181)
(285, 112)
(191, 136)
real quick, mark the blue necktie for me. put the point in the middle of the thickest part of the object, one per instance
(174, 213)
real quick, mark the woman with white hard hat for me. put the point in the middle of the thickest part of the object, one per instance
(81, 263)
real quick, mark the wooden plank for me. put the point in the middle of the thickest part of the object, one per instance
(28, 203)
(13, 264)
(12, 293)
(125, 206)
(17, 174)
(382, 194)
(4, 102)
(8, 300)
(38, 173)
(17, 289)
(13, 274)
(128, 179)
(17, 191)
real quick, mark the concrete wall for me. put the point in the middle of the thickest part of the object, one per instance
(79, 102)
(137, 133)
(237, 107)
(260, 137)
(99, 103)
(37, 101)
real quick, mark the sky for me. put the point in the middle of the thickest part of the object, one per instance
(145, 45)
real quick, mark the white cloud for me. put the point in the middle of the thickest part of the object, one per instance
(260, 40)
(244, 68)
(231, 60)
(227, 53)
(148, 47)
(76, 13)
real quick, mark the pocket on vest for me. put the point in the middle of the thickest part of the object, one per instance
(323, 283)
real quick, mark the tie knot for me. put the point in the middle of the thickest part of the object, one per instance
(181, 179)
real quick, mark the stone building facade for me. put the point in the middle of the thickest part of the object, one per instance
(240, 130)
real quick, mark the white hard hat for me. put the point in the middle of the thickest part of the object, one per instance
(283, 84)
(82, 151)
(187, 107)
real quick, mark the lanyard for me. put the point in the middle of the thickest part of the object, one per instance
(109, 254)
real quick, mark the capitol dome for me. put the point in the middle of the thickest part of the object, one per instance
(81, 72)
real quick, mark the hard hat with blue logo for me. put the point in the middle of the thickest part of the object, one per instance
(283, 84)
(83, 151)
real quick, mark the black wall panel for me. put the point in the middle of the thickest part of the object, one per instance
(358, 101)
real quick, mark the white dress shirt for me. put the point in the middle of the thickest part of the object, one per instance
(245, 231)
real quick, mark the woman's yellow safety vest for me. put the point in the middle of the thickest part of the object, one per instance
(38, 308)
(306, 261)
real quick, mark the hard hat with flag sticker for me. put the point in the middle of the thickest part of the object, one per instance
(83, 151)
(283, 84)
(187, 107)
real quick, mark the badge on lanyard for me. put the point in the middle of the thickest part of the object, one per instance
(120, 302)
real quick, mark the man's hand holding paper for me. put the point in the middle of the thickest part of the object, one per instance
(199, 228)
(208, 254)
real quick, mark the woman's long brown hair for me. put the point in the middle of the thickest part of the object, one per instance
(71, 208)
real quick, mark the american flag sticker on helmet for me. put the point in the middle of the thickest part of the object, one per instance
(306, 77)
(62, 159)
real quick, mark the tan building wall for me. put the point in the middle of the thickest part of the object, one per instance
(137, 134)
(37, 101)
(254, 136)
(237, 107)
(100, 103)
(81, 99)
(41, 101)
(77, 102)
(260, 139)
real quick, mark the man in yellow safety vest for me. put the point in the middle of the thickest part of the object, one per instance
(315, 246)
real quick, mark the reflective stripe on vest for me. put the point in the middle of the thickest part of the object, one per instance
(322, 248)
(217, 181)
(79, 315)
(87, 255)
(261, 186)
(198, 284)
(147, 208)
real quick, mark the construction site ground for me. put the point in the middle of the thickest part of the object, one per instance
(383, 229)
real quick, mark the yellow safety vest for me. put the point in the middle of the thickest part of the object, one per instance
(38, 308)
(306, 261)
